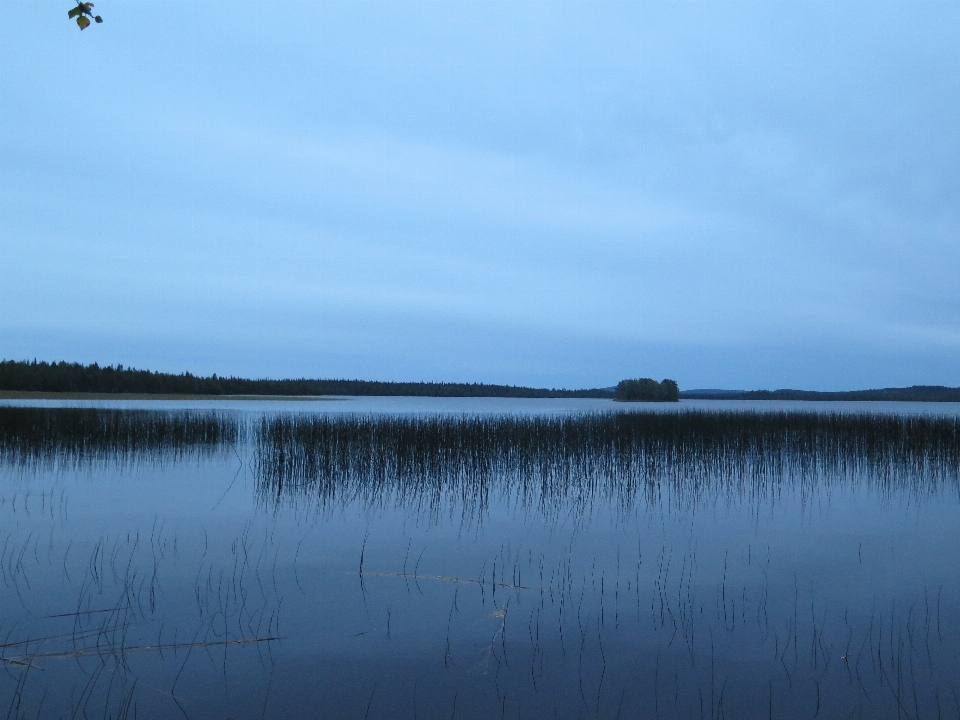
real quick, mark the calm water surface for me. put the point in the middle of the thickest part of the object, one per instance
(478, 558)
(495, 406)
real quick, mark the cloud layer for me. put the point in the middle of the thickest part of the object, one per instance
(729, 194)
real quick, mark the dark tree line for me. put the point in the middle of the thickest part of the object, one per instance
(914, 393)
(647, 390)
(66, 377)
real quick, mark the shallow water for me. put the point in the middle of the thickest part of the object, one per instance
(476, 570)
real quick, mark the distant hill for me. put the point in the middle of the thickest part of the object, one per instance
(915, 393)
(709, 393)
(66, 377)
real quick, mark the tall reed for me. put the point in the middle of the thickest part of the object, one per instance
(582, 459)
(45, 436)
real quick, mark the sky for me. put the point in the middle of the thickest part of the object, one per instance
(563, 194)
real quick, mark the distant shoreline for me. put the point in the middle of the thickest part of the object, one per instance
(916, 393)
(753, 395)
(64, 377)
(25, 380)
(41, 395)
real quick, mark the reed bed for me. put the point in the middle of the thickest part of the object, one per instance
(600, 457)
(42, 437)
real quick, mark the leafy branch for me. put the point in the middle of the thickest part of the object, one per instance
(83, 12)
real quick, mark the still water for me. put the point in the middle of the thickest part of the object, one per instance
(479, 558)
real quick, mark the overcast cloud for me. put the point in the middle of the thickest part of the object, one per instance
(730, 194)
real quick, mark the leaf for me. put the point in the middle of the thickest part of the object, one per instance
(76, 11)
(83, 22)
(98, 19)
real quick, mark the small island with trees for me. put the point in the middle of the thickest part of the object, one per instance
(647, 390)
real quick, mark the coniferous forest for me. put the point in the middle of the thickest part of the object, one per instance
(64, 377)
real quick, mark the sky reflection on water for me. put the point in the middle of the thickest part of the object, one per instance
(152, 588)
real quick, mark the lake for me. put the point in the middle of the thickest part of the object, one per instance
(479, 558)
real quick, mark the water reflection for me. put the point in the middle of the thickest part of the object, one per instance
(696, 565)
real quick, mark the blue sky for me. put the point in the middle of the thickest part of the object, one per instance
(729, 194)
